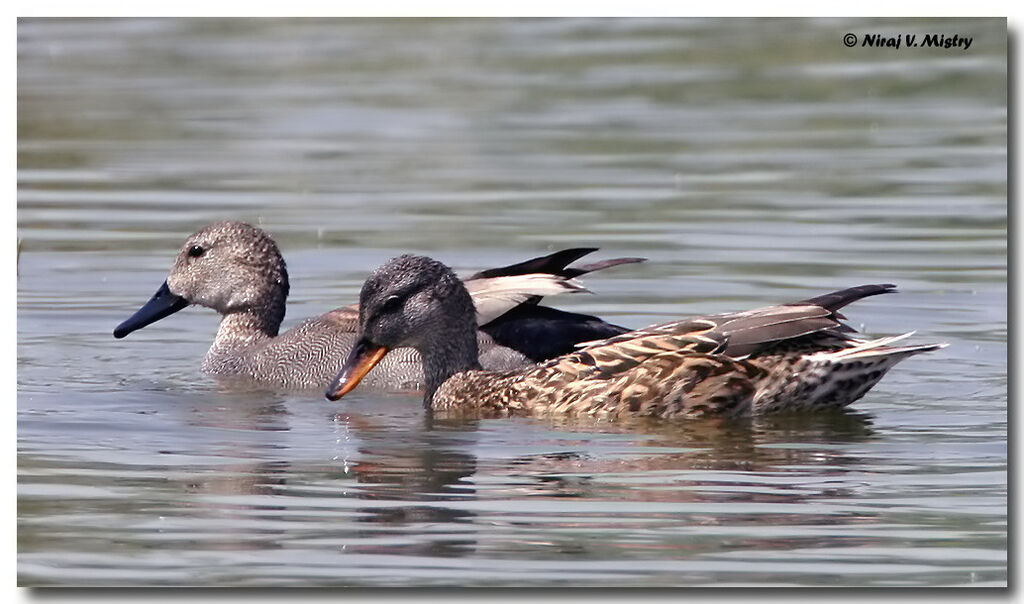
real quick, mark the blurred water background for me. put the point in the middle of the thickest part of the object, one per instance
(752, 161)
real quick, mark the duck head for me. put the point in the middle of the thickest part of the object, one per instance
(227, 266)
(416, 302)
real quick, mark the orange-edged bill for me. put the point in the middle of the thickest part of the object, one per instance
(364, 356)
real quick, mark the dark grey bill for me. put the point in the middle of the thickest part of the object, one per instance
(162, 304)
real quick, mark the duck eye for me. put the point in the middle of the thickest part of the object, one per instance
(196, 251)
(391, 303)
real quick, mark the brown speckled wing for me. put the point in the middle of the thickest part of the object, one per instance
(660, 374)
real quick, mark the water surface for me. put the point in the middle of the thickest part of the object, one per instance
(752, 162)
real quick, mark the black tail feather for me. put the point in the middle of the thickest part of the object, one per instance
(556, 264)
(840, 298)
(601, 265)
(552, 264)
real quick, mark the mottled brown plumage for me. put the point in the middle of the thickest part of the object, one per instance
(796, 356)
(237, 270)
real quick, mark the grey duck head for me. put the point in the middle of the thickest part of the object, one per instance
(227, 266)
(416, 302)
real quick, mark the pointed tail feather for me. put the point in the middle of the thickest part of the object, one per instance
(556, 264)
(835, 300)
(553, 264)
(880, 347)
(600, 265)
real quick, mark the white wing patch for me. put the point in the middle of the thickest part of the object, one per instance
(495, 296)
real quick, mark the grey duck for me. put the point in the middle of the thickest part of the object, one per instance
(237, 270)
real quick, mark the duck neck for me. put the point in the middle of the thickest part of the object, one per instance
(257, 322)
(452, 351)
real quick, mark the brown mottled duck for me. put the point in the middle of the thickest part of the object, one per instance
(796, 356)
